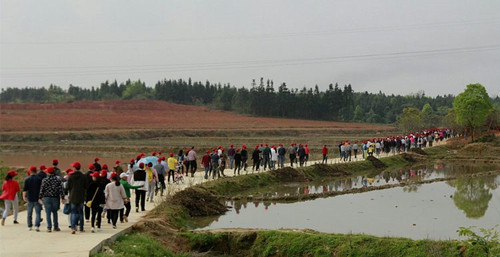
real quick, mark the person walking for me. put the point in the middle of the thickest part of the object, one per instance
(172, 163)
(274, 157)
(292, 153)
(256, 159)
(160, 170)
(115, 198)
(51, 192)
(266, 157)
(237, 162)
(152, 179)
(77, 189)
(306, 149)
(140, 193)
(57, 171)
(10, 188)
(302, 155)
(281, 155)
(205, 162)
(324, 151)
(127, 186)
(96, 193)
(355, 149)
(244, 157)
(214, 164)
(31, 193)
(230, 154)
(96, 164)
(192, 160)
(118, 168)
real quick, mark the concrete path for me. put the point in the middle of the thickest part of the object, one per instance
(16, 240)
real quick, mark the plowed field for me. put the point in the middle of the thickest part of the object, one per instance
(145, 114)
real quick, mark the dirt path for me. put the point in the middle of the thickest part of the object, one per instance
(16, 240)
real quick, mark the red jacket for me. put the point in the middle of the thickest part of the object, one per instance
(9, 189)
(325, 151)
(205, 160)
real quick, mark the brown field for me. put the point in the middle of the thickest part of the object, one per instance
(145, 114)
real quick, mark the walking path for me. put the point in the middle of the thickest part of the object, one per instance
(16, 240)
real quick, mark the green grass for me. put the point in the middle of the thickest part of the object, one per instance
(137, 245)
(287, 243)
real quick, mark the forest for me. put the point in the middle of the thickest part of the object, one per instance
(261, 98)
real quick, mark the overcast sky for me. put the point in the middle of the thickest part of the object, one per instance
(396, 46)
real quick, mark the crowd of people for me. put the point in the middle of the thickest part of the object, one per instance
(101, 193)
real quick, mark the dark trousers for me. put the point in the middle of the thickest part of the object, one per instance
(114, 216)
(140, 195)
(126, 210)
(292, 159)
(256, 165)
(171, 172)
(266, 163)
(193, 166)
(96, 213)
(237, 167)
(87, 212)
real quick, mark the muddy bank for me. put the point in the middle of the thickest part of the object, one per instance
(376, 162)
(198, 202)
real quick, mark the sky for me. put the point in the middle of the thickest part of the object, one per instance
(393, 46)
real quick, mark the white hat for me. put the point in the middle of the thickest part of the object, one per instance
(123, 175)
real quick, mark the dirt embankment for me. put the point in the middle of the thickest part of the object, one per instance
(288, 174)
(376, 162)
(198, 202)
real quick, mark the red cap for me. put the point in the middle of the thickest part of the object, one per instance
(104, 166)
(150, 164)
(104, 173)
(55, 162)
(244, 146)
(232, 145)
(159, 153)
(69, 171)
(76, 165)
(171, 154)
(208, 151)
(50, 170)
(42, 167)
(306, 145)
(95, 174)
(91, 167)
(238, 150)
(12, 173)
(117, 162)
(162, 158)
(113, 175)
(256, 147)
(32, 168)
(132, 160)
(141, 165)
(96, 159)
(280, 144)
(153, 153)
(219, 147)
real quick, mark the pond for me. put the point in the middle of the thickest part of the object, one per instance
(424, 211)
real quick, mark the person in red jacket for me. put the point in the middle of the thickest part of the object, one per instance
(325, 154)
(10, 188)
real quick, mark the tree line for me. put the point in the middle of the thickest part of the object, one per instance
(261, 98)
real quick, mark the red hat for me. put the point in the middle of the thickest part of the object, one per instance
(76, 165)
(150, 164)
(113, 175)
(32, 168)
(153, 153)
(12, 173)
(208, 151)
(142, 154)
(256, 147)
(91, 167)
(104, 166)
(171, 154)
(42, 167)
(244, 146)
(95, 174)
(238, 150)
(219, 147)
(280, 144)
(49, 170)
(117, 162)
(96, 159)
(232, 145)
(69, 171)
(306, 145)
(132, 160)
(141, 165)
(162, 158)
(104, 173)
(267, 145)
(138, 157)
(55, 162)
(27, 173)
(159, 153)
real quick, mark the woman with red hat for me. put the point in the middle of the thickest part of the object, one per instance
(96, 164)
(10, 188)
(97, 200)
(115, 197)
(205, 162)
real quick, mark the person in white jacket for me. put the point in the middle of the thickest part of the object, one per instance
(274, 157)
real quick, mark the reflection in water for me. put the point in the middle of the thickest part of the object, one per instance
(386, 177)
(473, 195)
(435, 210)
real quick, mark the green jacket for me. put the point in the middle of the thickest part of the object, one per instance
(127, 187)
